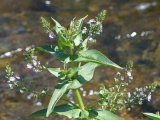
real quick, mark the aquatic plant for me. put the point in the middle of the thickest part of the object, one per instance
(79, 64)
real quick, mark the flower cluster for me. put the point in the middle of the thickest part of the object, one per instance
(139, 96)
(34, 64)
(15, 82)
(94, 26)
(114, 98)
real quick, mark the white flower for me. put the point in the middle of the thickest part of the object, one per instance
(36, 70)
(29, 65)
(34, 62)
(90, 38)
(149, 97)
(43, 92)
(21, 91)
(38, 104)
(129, 73)
(129, 94)
(17, 77)
(10, 85)
(12, 78)
(84, 30)
(90, 21)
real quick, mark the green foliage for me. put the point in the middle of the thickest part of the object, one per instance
(79, 64)
(152, 116)
(61, 88)
(95, 57)
(65, 109)
(101, 16)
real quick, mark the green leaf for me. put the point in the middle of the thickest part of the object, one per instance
(63, 40)
(80, 21)
(86, 72)
(152, 116)
(59, 54)
(54, 71)
(39, 113)
(75, 84)
(84, 44)
(95, 57)
(64, 109)
(103, 115)
(72, 72)
(84, 114)
(57, 94)
(78, 39)
(57, 27)
(67, 110)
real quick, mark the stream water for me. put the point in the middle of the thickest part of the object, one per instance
(131, 31)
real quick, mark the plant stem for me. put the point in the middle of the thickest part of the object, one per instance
(78, 95)
(79, 99)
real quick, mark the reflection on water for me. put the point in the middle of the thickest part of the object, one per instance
(134, 34)
(131, 32)
(144, 6)
(11, 53)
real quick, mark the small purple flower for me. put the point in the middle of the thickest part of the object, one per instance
(29, 65)
(90, 38)
(122, 77)
(98, 23)
(90, 21)
(81, 41)
(140, 89)
(52, 35)
(12, 78)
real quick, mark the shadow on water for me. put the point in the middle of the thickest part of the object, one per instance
(131, 32)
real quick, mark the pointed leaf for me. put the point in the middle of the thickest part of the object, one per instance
(152, 116)
(75, 84)
(54, 71)
(84, 114)
(78, 39)
(81, 22)
(64, 109)
(107, 115)
(67, 110)
(95, 57)
(103, 115)
(39, 113)
(57, 27)
(59, 54)
(72, 72)
(84, 44)
(86, 72)
(57, 94)
(63, 40)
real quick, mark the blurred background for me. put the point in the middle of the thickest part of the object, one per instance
(131, 31)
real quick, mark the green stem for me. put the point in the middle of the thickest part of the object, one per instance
(78, 95)
(71, 52)
(79, 99)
